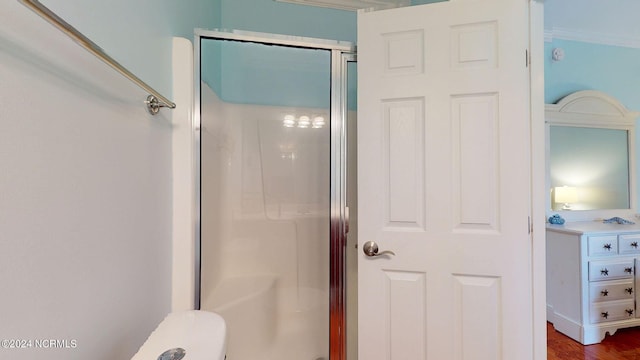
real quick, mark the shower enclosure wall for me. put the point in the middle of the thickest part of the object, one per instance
(272, 193)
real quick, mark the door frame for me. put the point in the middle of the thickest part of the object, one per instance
(538, 221)
(341, 53)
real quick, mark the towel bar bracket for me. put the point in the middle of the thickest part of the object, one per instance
(153, 105)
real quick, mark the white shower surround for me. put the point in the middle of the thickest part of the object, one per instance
(261, 250)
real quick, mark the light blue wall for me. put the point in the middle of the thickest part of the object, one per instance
(292, 19)
(138, 33)
(263, 75)
(270, 16)
(267, 75)
(288, 19)
(614, 70)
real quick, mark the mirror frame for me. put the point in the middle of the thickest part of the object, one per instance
(592, 109)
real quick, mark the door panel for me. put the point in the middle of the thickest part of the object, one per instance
(403, 159)
(474, 127)
(443, 166)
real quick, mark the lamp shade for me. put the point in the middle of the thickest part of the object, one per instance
(566, 194)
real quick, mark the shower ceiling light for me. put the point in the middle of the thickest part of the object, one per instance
(289, 121)
(304, 121)
(318, 122)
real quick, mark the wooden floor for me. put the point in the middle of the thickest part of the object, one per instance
(624, 345)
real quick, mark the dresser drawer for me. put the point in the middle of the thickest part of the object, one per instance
(629, 244)
(602, 245)
(612, 311)
(611, 269)
(611, 290)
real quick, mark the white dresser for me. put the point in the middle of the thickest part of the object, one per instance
(592, 278)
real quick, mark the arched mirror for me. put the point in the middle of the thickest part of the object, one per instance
(590, 157)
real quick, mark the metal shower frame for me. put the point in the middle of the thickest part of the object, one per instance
(341, 54)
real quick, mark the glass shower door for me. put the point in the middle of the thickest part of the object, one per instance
(265, 197)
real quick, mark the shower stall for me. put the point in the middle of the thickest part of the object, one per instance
(273, 201)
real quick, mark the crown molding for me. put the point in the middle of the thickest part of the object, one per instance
(351, 5)
(591, 37)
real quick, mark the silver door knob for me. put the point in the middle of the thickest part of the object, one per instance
(370, 248)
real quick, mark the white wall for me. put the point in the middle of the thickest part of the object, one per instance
(85, 187)
(184, 192)
(217, 142)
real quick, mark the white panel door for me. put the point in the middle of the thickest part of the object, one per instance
(444, 182)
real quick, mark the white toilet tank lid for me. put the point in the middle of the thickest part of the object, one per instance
(201, 334)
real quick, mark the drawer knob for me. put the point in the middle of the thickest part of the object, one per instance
(607, 247)
(604, 292)
(605, 314)
(634, 244)
(604, 272)
(628, 270)
(629, 312)
(629, 290)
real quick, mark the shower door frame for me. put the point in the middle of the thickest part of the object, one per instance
(341, 53)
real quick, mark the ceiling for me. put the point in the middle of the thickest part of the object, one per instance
(613, 22)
